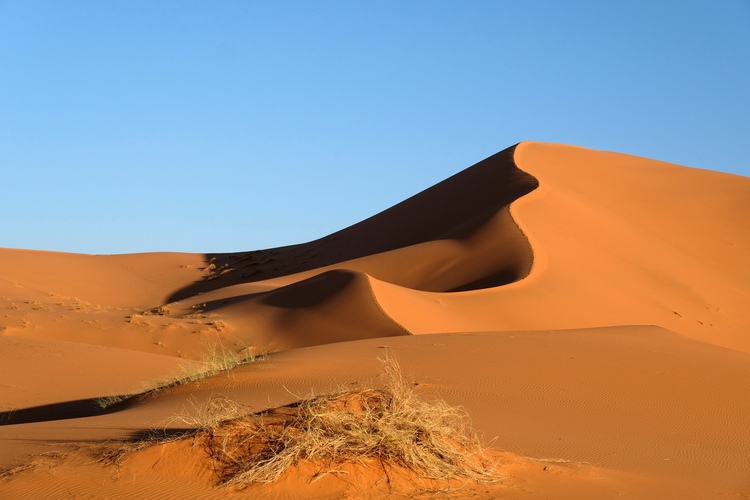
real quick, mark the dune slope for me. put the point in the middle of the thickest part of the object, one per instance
(432, 241)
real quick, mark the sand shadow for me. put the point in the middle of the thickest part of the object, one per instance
(453, 209)
(65, 410)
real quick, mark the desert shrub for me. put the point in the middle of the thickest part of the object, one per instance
(216, 359)
(392, 425)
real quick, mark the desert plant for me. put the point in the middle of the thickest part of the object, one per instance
(216, 359)
(392, 426)
(219, 325)
(107, 401)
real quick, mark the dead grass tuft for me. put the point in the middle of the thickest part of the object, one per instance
(43, 459)
(216, 359)
(219, 325)
(392, 426)
(163, 310)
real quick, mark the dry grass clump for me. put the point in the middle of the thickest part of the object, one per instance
(163, 310)
(390, 426)
(216, 359)
(219, 325)
(41, 460)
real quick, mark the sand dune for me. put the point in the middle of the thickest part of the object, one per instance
(432, 241)
(588, 309)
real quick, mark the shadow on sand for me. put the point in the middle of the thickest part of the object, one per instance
(65, 410)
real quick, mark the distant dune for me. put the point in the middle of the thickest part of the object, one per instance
(589, 310)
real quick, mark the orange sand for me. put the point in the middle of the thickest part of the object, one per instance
(588, 309)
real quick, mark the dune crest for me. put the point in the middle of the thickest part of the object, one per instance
(433, 241)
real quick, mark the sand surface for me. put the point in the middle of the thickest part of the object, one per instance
(589, 311)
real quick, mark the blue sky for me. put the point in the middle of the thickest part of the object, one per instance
(133, 126)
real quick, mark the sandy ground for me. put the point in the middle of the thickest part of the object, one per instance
(588, 310)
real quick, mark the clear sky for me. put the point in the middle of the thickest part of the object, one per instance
(216, 126)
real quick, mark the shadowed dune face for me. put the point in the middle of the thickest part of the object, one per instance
(334, 306)
(433, 241)
(312, 291)
(456, 236)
